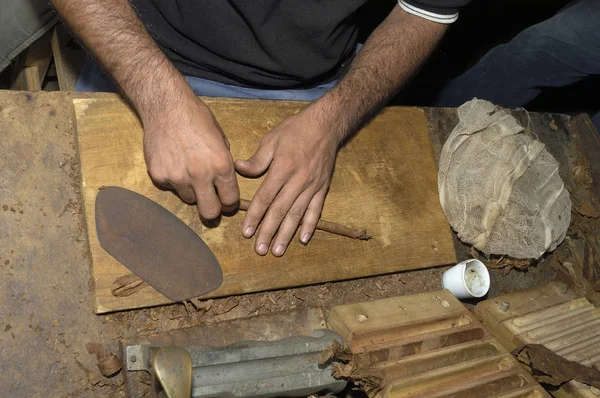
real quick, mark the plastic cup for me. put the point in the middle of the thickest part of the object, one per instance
(467, 279)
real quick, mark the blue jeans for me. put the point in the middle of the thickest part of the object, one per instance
(94, 79)
(555, 53)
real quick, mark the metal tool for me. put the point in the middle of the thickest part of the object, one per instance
(173, 370)
(287, 367)
(156, 245)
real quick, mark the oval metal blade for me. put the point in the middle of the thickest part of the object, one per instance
(155, 244)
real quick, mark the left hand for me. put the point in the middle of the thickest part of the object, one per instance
(301, 153)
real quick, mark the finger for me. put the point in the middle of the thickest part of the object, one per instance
(186, 193)
(290, 224)
(161, 181)
(228, 191)
(258, 163)
(264, 196)
(275, 216)
(312, 216)
(207, 201)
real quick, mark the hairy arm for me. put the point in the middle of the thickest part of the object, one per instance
(300, 152)
(111, 30)
(183, 145)
(389, 58)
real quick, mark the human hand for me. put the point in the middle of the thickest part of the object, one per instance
(301, 154)
(186, 150)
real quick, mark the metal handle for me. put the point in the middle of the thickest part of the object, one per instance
(173, 369)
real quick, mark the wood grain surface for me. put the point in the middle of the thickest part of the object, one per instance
(385, 181)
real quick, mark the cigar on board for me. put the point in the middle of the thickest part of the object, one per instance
(327, 226)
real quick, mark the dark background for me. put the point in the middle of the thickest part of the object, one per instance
(482, 25)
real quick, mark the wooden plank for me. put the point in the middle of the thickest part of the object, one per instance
(68, 61)
(33, 65)
(385, 180)
(27, 80)
(39, 55)
(531, 392)
(403, 316)
(428, 345)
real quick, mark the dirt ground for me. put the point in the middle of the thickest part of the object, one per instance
(47, 325)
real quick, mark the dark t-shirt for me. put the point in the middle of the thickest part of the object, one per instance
(275, 44)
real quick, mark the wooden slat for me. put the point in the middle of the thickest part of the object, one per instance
(531, 392)
(576, 389)
(552, 314)
(385, 181)
(33, 65)
(28, 79)
(67, 61)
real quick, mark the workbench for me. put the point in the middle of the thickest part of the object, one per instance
(46, 309)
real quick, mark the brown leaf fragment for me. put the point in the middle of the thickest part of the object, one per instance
(586, 209)
(127, 285)
(358, 368)
(582, 175)
(342, 370)
(228, 306)
(95, 348)
(550, 368)
(92, 377)
(109, 365)
(335, 352)
(202, 305)
(325, 356)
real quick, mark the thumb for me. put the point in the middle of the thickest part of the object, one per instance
(258, 163)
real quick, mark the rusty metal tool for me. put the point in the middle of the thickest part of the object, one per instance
(156, 245)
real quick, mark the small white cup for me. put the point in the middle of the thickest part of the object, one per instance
(467, 279)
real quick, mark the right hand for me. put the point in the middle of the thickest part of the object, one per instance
(186, 150)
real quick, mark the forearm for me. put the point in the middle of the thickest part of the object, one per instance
(391, 55)
(111, 30)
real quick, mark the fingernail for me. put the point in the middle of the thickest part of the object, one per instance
(248, 232)
(262, 249)
(305, 238)
(278, 251)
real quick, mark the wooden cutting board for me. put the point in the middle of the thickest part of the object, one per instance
(385, 181)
